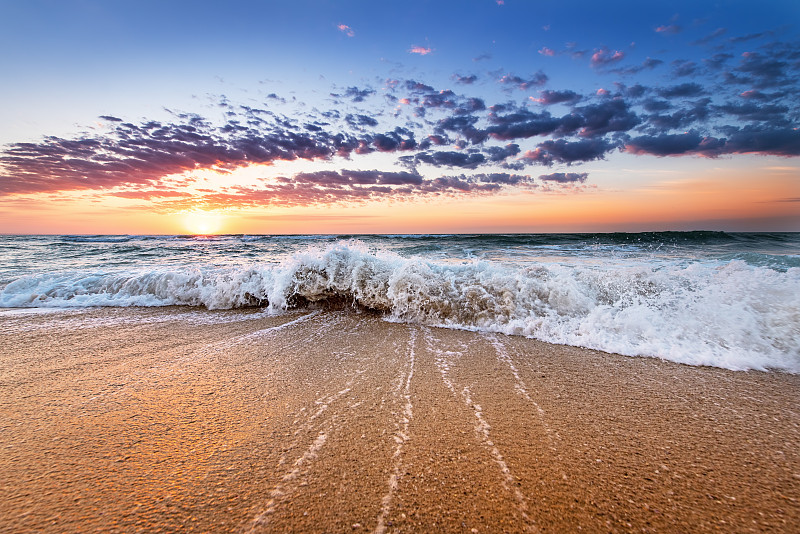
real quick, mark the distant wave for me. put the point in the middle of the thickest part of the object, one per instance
(734, 315)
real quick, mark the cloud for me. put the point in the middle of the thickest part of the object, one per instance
(751, 111)
(751, 36)
(358, 95)
(648, 64)
(465, 80)
(563, 151)
(667, 144)
(540, 78)
(440, 128)
(613, 115)
(746, 140)
(522, 124)
(669, 29)
(604, 57)
(545, 51)
(421, 50)
(682, 91)
(451, 159)
(683, 67)
(710, 37)
(564, 177)
(550, 97)
(497, 153)
(610, 116)
(399, 139)
(358, 121)
(347, 30)
(717, 61)
(695, 112)
(653, 105)
(768, 70)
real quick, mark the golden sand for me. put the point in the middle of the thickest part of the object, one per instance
(166, 420)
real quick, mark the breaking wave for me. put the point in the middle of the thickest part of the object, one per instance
(734, 315)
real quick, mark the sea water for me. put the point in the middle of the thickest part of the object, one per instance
(729, 300)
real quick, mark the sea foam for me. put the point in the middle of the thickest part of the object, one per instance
(732, 314)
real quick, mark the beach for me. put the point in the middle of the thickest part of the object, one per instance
(337, 420)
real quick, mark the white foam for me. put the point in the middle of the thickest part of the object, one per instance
(733, 315)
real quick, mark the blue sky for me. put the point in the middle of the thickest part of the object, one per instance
(489, 98)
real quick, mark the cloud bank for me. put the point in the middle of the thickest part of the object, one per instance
(442, 140)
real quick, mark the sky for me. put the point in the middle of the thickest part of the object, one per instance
(266, 117)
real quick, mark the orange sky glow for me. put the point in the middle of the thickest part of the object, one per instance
(746, 194)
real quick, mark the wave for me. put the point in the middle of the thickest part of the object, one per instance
(734, 315)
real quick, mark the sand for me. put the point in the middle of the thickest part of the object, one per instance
(165, 420)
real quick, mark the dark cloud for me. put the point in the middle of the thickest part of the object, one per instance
(761, 70)
(563, 151)
(587, 121)
(358, 121)
(717, 61)
(564, 177)
(498, 153)
(710, 37)
(746, 140)
(654, 105)
(350, 177)
(610, 116)
(763, 140)
(683, 67)
(751, 111)
(463, 125)
(647, 64)
(399, 139)
(504, 178)
(419, 87)
(110, 118)
(683, 90)
(471, 105)
(750, 37)
(666, 144)
(549, 97)
(439, 99)
(522, 124)
(465, 80)
(535, 80)
(452, 159)
(355, 94)
(691, 114)
(634, 91)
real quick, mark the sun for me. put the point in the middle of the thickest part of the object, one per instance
(202, 223)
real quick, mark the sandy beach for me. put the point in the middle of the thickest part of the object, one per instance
(179, 419)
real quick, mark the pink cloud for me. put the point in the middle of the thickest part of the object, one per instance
(547, 51)
(347, 30)
(605, 57)
(421, 50)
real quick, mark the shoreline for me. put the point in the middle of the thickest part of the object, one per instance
(154, 419)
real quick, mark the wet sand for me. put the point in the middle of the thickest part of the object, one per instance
(165, 420)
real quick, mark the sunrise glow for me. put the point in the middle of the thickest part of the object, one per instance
(668, 118)
(203, 223)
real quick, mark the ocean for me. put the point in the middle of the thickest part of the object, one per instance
(729, 300)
